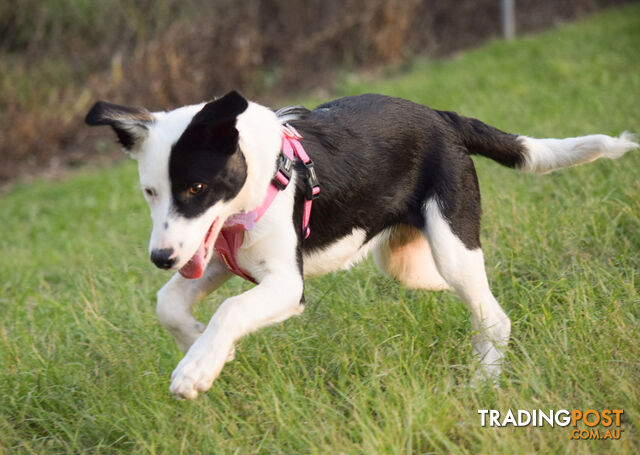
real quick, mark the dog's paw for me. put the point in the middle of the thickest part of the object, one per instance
(486, 376)
(195, 374)
(190, 379)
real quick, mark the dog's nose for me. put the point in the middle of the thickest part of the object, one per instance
(162, 258)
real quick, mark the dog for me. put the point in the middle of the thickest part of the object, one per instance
(362, 174)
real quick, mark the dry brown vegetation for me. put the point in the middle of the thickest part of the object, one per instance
(59, 56)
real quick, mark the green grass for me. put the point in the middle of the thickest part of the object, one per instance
(369, 367)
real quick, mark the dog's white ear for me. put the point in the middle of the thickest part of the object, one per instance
(130, 123)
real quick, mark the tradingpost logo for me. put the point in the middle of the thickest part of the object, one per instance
(600, 424)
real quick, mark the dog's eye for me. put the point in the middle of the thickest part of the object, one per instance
(149, 192)
(197, 188)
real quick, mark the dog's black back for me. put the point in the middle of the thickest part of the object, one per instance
(379, 159)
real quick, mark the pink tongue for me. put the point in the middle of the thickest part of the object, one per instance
(195, 267)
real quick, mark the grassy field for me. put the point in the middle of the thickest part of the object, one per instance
(369, 367)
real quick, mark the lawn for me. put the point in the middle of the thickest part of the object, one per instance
(369, 367)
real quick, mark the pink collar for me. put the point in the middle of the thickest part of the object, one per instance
(232, 234)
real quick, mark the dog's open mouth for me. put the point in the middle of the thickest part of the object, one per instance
(195, 267)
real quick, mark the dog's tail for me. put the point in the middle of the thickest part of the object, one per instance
(536, 155)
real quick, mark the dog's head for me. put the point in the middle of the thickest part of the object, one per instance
(198, 165)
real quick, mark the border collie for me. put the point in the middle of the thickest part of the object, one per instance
(396, 179)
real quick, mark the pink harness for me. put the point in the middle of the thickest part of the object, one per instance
(232, 234)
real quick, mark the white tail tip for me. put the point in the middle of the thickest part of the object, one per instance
(546, 155)
(621, 145)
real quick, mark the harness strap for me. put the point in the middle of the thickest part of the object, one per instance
(292, 147)
(232, 234)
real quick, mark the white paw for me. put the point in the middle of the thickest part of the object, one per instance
(195, 373)
(486, 376)
(490, 368)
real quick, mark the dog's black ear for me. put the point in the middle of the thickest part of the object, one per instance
(215, 124)
(222, 110)
(129, 123)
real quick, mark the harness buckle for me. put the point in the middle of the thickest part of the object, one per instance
(311, 182)
(284, 172)
(290, 132)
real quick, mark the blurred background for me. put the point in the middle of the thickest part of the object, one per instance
(58, 56)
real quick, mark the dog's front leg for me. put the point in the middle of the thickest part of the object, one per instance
(276, 298)
(176, 298)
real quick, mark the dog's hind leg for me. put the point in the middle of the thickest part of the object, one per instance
(406, 256)
(461, 263)
(176, 298)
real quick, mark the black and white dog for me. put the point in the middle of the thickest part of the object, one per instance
(396, 180)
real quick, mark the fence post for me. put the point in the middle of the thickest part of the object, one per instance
(508, 10)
